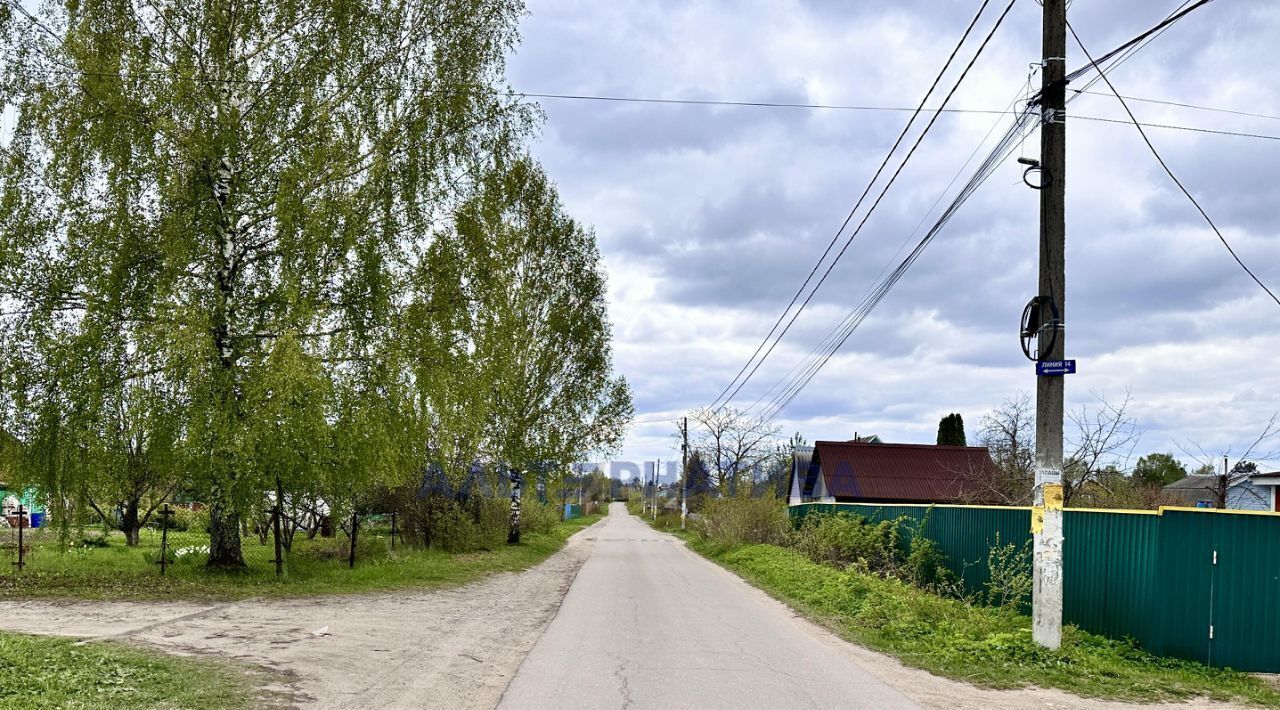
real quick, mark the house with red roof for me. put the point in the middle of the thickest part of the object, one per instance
(861, 471)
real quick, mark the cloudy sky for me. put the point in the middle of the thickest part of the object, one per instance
(709, 218)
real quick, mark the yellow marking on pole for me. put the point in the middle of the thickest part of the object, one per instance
(1053, 496)
(1037, 520)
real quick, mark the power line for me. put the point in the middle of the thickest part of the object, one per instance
(835, 237)
(1170, 126)
(818, 357)
(1160, 27)
(1004, 147)
(1193, 129)
(743, 104)
(834, 334)
(871, 210)
(1179, 104)
(1169, 171)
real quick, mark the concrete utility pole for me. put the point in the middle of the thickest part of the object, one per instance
(657, 481)
(1046, 612)
(684, 472)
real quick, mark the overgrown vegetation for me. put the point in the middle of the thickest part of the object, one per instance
(119, 572)
(741, 520)
(886, 587)
(47, 672)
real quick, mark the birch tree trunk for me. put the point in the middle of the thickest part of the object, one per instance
(513, 535)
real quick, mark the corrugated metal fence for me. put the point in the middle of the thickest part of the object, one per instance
(1163, 578)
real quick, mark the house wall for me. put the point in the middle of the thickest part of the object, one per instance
(28, 498)
(1246, 496)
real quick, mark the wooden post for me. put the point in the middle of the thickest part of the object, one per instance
(22, 523)
(355, 528)
(164, 538)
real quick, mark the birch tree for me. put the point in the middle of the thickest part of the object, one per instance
(246, 176)
(525, 309)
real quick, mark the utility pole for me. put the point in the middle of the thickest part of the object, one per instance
(684, 471)
(657, 480)
(1046, 525)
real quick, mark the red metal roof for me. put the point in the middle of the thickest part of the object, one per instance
(915, 473)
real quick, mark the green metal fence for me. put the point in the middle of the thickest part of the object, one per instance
(1196, 584)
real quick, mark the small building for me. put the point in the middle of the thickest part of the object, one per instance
(1258, 491)
(1268, 484)
(863, 472)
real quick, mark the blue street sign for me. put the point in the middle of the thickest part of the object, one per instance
(1056, 367)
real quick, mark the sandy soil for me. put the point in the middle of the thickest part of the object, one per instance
(455, 648)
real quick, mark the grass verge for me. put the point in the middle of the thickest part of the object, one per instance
(46, 672)
(124, 573)
(980, 645)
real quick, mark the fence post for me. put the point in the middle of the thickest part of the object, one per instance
(355, 528)
(275, 520)
(22, 522)
(164, 538)
(394, 530)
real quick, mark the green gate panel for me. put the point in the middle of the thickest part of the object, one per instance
(1245, 609)
(1109, 568)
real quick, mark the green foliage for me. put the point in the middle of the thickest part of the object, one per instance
(982, 645)
(305, 253)
(1010, 576)
(454, 526)
(93, 541)
(369, 547)
(844, 539)
(46, 672)
(892, 548)
(539, 517)
(1158, 470)
(635, 502)
(951, 431)
(738, 520)
(184, 520)
(119, 572)
(926, 565)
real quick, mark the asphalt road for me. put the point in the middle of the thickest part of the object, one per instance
(649, 624)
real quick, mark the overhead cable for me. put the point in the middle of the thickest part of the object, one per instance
(1172, 176)
(835, 237)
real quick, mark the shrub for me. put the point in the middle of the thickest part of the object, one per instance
(1010, 574)
(92, 542)
(455, 526)
(736, 521)
(667, 520)
(184, 520)
(538, 517)
(926, 566)
(338, 548)
(844, 538)
(891, 548)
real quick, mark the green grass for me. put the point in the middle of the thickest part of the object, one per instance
(981, 645)
(46, 672)
(119, 572)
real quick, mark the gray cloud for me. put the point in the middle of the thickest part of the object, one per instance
(709, 218)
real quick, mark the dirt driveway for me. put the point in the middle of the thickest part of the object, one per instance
(454, 648)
